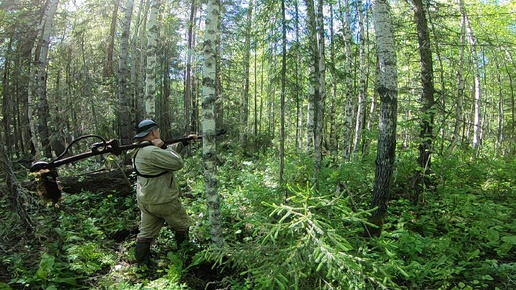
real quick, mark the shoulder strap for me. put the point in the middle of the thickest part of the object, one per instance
(145, 175)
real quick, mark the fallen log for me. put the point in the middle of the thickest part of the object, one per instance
(117, 181)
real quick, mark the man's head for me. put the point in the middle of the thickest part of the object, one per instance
(145, 128)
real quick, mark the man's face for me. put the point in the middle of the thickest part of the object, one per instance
(156, 133)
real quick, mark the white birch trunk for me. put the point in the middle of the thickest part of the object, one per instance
(152, 64)
(388, 91)
(477, 89)
(209, 97)
(124, 88)
(361, 81)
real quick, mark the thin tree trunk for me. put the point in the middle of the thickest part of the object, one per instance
(313, 86)
(321, 96)
(137, 63)
(459, 107)
(283, 84)
(244, 99)
(426, 135)
(108, 68)
(152, 63)
(359, 122)
(125, 117)
(512, 95)
(41, 78)
(388, 92)
(348, 80)
(477, 132)
(209, 98)
(188, 77)
(333, 105)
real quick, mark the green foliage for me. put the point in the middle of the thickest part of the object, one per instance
(461, 236)
(308, 242)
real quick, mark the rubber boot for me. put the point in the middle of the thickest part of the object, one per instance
(181, 237)
(142, 251)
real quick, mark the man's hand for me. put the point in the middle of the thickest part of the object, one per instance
(192, 138)
(157, 142)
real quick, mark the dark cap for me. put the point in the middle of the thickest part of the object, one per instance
(144, 128)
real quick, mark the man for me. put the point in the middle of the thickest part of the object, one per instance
(157, 193)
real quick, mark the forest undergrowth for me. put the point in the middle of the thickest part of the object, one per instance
(461, 234)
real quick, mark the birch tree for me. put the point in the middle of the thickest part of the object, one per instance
(152, 63)
(348, 80)
(388, 92)
(244, 98)
(477, 142)
(362, 69)
(124, 88)
(209, 98)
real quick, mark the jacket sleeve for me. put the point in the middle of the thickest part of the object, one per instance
(167, 159)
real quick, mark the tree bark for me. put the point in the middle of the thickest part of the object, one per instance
(108, 65)
(152, 63)
(283, 85)
(422, 176)
(188, 72)
(388, 93)
(209, 98)
(347, 133)
(477, 130)
(244, 98)
(41, 78)
(313, 85)
(362, 89)
(125, 117)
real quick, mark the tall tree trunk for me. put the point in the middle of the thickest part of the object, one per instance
(209, 98)
(422, 176)
(388, 92)
(125, 116)
(108, 65)
(333, 105)
(41, 78)
(137, 63)
(244, 98)
(164, 108)
(477, 133)
(348, 80)
(22, 83)
(313, 86)
(283, 84)
(321, 96)
(359, 121)
(512, 95)
(501, 108)
(459, 106)
(188, 72)
(152, 63)
(219, 104)
(7, 101)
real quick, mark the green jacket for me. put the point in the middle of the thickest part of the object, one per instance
(152, 161)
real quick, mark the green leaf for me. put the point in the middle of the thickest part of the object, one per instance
(69, 281)
(473, 254)
(509, 239)
(493, 235)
